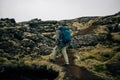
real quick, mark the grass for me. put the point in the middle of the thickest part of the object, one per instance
(88, 57)
(99, 67)
(115, 58)
(2, 60)
(100, 30)
(36, 62)
(116, 36)
(95, 58)
(81, 26)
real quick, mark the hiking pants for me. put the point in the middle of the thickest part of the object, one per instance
(56, 50)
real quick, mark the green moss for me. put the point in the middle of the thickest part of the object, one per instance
(89, 23)
(99, 68)
(116, 36)
(104, 55)
(2, 60)
(103, 59)
(88, 57)
(115, 58)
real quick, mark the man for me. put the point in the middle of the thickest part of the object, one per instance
(63, 38)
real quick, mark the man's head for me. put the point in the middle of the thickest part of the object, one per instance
(62, 23)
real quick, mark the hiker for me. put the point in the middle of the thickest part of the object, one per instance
(63, 38)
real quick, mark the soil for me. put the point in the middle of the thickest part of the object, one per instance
(80, 73)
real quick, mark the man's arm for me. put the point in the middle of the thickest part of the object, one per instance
(57, 34)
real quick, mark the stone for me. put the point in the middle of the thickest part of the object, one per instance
(27, 43)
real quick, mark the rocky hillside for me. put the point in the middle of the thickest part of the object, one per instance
(95, 44)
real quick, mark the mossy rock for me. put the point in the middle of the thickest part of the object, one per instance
(116, 36)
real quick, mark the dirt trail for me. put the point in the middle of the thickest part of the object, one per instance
(80, 73)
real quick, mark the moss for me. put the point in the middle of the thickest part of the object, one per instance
(101, 30)
(103, 59)
(116, 36)
(103, 53)
(115, 58)
(89, 23)
(88, 57)
(81, 26)
(99, 67)
(104, 56)
(95, 58)
(2, 60)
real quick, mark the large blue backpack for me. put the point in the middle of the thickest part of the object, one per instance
(66, 34)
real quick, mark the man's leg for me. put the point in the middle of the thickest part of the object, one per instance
(55, 51)
(65, 55)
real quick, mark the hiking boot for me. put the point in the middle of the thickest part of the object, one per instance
(65, 64)
(51, 60)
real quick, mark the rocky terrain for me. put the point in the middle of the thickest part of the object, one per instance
(94, 51)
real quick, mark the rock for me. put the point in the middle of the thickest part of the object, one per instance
(35, 38)
(114, 68)
(41, 23)
(5, 45)
(83, 40)
(102, 33)
(27, 43)
(18, 34)
(34, 32)
(46, 40)
(7, 33)
(44, 49)
(102, 37)
(31, 36)
(10, 46)
(7, 22)
(114, 27)
(35, 20)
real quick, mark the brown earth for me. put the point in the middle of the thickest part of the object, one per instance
(80, 73)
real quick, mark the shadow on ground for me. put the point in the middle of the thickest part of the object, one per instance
(28, 73)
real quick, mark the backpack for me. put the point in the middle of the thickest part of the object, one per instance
(65, 35)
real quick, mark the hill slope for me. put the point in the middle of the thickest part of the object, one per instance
(94, 47)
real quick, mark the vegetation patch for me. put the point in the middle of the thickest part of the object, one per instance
(88, 57)
(99, 68)
(116, 36)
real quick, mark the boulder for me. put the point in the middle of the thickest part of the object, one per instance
(7, 22)
(83, 40)
(27, 43)
(44, 49)
(114, 27)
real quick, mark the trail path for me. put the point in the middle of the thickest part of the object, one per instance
(80, 73)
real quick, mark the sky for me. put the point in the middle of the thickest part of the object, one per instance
(24, 10)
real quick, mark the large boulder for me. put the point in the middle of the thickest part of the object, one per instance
(83, 40)
(7, 22)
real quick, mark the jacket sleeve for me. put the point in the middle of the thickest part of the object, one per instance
(57, 35)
